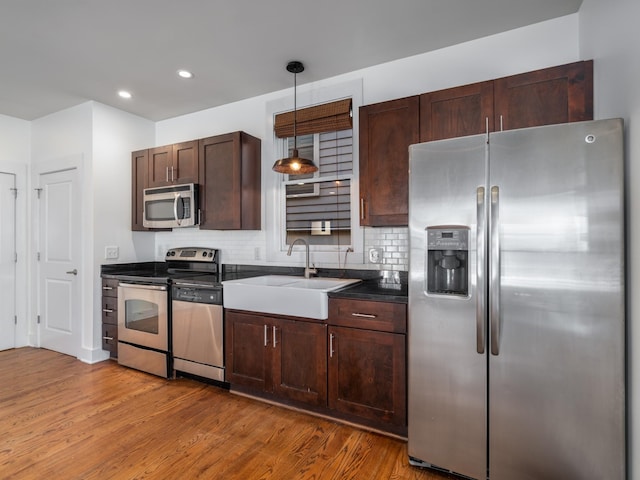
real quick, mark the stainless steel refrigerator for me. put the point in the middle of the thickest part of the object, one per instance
(516, 363)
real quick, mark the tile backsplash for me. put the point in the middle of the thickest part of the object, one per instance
(248, 247)
(394, 242)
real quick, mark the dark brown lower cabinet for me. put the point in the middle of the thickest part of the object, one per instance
(353, 367)
(300, 361)
(367, 374)
(110, 316)
(278, 357)
(246, 350)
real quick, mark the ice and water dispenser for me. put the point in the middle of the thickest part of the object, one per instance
(448, 260)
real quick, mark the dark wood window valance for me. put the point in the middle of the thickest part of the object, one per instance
(328, 117)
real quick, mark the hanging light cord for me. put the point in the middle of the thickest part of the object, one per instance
(295, 109)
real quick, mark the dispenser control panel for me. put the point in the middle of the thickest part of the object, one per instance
(450, 239)
(447, 260)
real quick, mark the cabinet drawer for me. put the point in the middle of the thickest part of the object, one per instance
(110, 310)
(368, 314)
(109, 287)
(110, 339)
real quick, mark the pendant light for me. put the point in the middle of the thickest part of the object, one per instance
(294, 165)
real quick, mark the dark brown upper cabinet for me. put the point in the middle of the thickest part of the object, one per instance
(386, 131)
(139, 181)
(173, 164)
(543, 97)
(230, 192)
(456, 112)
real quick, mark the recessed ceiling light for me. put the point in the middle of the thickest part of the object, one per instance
(124, 94)
(185, 74)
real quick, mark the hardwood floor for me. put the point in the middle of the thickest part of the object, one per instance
(63, 419)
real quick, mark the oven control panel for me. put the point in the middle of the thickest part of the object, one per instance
(192, 254)
(195, 294)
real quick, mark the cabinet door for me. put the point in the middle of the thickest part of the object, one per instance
(300, 361)
(184, 166)
(230, 197)
(247, 355)
(173, 164)
(544, 97)
(160, 162)
(456, 112)
(139, 181)
(386, 131)
(367, 374)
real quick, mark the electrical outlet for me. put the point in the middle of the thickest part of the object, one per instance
(111, 253)
(375, 255)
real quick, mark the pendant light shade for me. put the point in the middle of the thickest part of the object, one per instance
(294, 165)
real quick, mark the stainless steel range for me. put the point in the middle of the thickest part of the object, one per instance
(161, 336)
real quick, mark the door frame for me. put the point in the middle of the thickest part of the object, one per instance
(23, 294)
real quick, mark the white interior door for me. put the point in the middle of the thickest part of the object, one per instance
(59, 261)
(7, 260)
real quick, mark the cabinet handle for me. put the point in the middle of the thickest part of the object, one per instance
(331, 345)
(363, 315)
(166, 174)
(107, 338)
(274, 336)
(107, 288)
(172, 174)
(361, 208)
(265, 335)
(107, 310)
(501, 129)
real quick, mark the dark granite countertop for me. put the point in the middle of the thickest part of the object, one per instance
(374, 289)
(376, 285)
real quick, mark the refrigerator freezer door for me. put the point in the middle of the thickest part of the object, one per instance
(556, 386)
(447, 376)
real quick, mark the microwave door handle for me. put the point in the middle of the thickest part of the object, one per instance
(175, 210)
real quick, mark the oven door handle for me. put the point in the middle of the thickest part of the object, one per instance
(144, 287)
(180, 283)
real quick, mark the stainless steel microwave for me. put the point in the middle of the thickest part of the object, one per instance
(171, 207)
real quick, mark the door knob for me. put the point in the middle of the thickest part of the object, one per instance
(73, 272)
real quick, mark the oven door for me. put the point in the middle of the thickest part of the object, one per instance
(143, 315)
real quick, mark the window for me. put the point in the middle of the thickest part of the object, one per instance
(276, 143)
(318, 206)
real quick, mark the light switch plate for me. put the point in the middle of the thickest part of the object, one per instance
(375, 255)
(111, 253)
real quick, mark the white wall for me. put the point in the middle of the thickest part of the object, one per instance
(59, 140)
(15, 156)
(554, 42)
(115, 135)
(103, 138)
(609, 35)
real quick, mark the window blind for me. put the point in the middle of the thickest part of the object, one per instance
(330, 209)
(328, 117)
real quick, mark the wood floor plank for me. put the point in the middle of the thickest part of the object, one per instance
(63, 419)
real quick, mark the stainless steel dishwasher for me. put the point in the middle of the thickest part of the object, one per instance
(197, 330)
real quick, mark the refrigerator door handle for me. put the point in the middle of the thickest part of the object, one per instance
(494, 272)
(480, 271)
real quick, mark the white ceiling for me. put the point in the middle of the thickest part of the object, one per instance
(57, 54)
